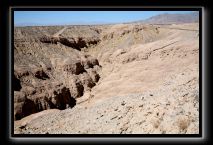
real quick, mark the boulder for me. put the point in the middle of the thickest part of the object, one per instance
(90, 62)
(94, 75)
(40, 74)
(87, 81)
(76, 87)
(73, 66)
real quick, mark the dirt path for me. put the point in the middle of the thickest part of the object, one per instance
(179, 29)
(59, 32)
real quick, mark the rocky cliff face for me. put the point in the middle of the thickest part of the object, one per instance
(48, 75)
(76, 43)
(123, 78)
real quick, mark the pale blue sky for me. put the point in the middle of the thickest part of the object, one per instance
(83, 17)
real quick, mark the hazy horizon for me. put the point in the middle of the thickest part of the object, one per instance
(48, 18)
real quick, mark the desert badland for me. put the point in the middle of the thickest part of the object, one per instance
(132, 78)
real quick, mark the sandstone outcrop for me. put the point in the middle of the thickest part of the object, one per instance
(76, 43)
(51, 96)
(50, 82)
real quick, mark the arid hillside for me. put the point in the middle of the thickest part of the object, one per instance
(121, 78)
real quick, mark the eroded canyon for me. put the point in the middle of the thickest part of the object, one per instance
(121, 78)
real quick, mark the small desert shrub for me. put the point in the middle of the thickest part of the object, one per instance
(183, 123)
(155, 122)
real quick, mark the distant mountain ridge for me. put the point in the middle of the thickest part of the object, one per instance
(172, 18)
